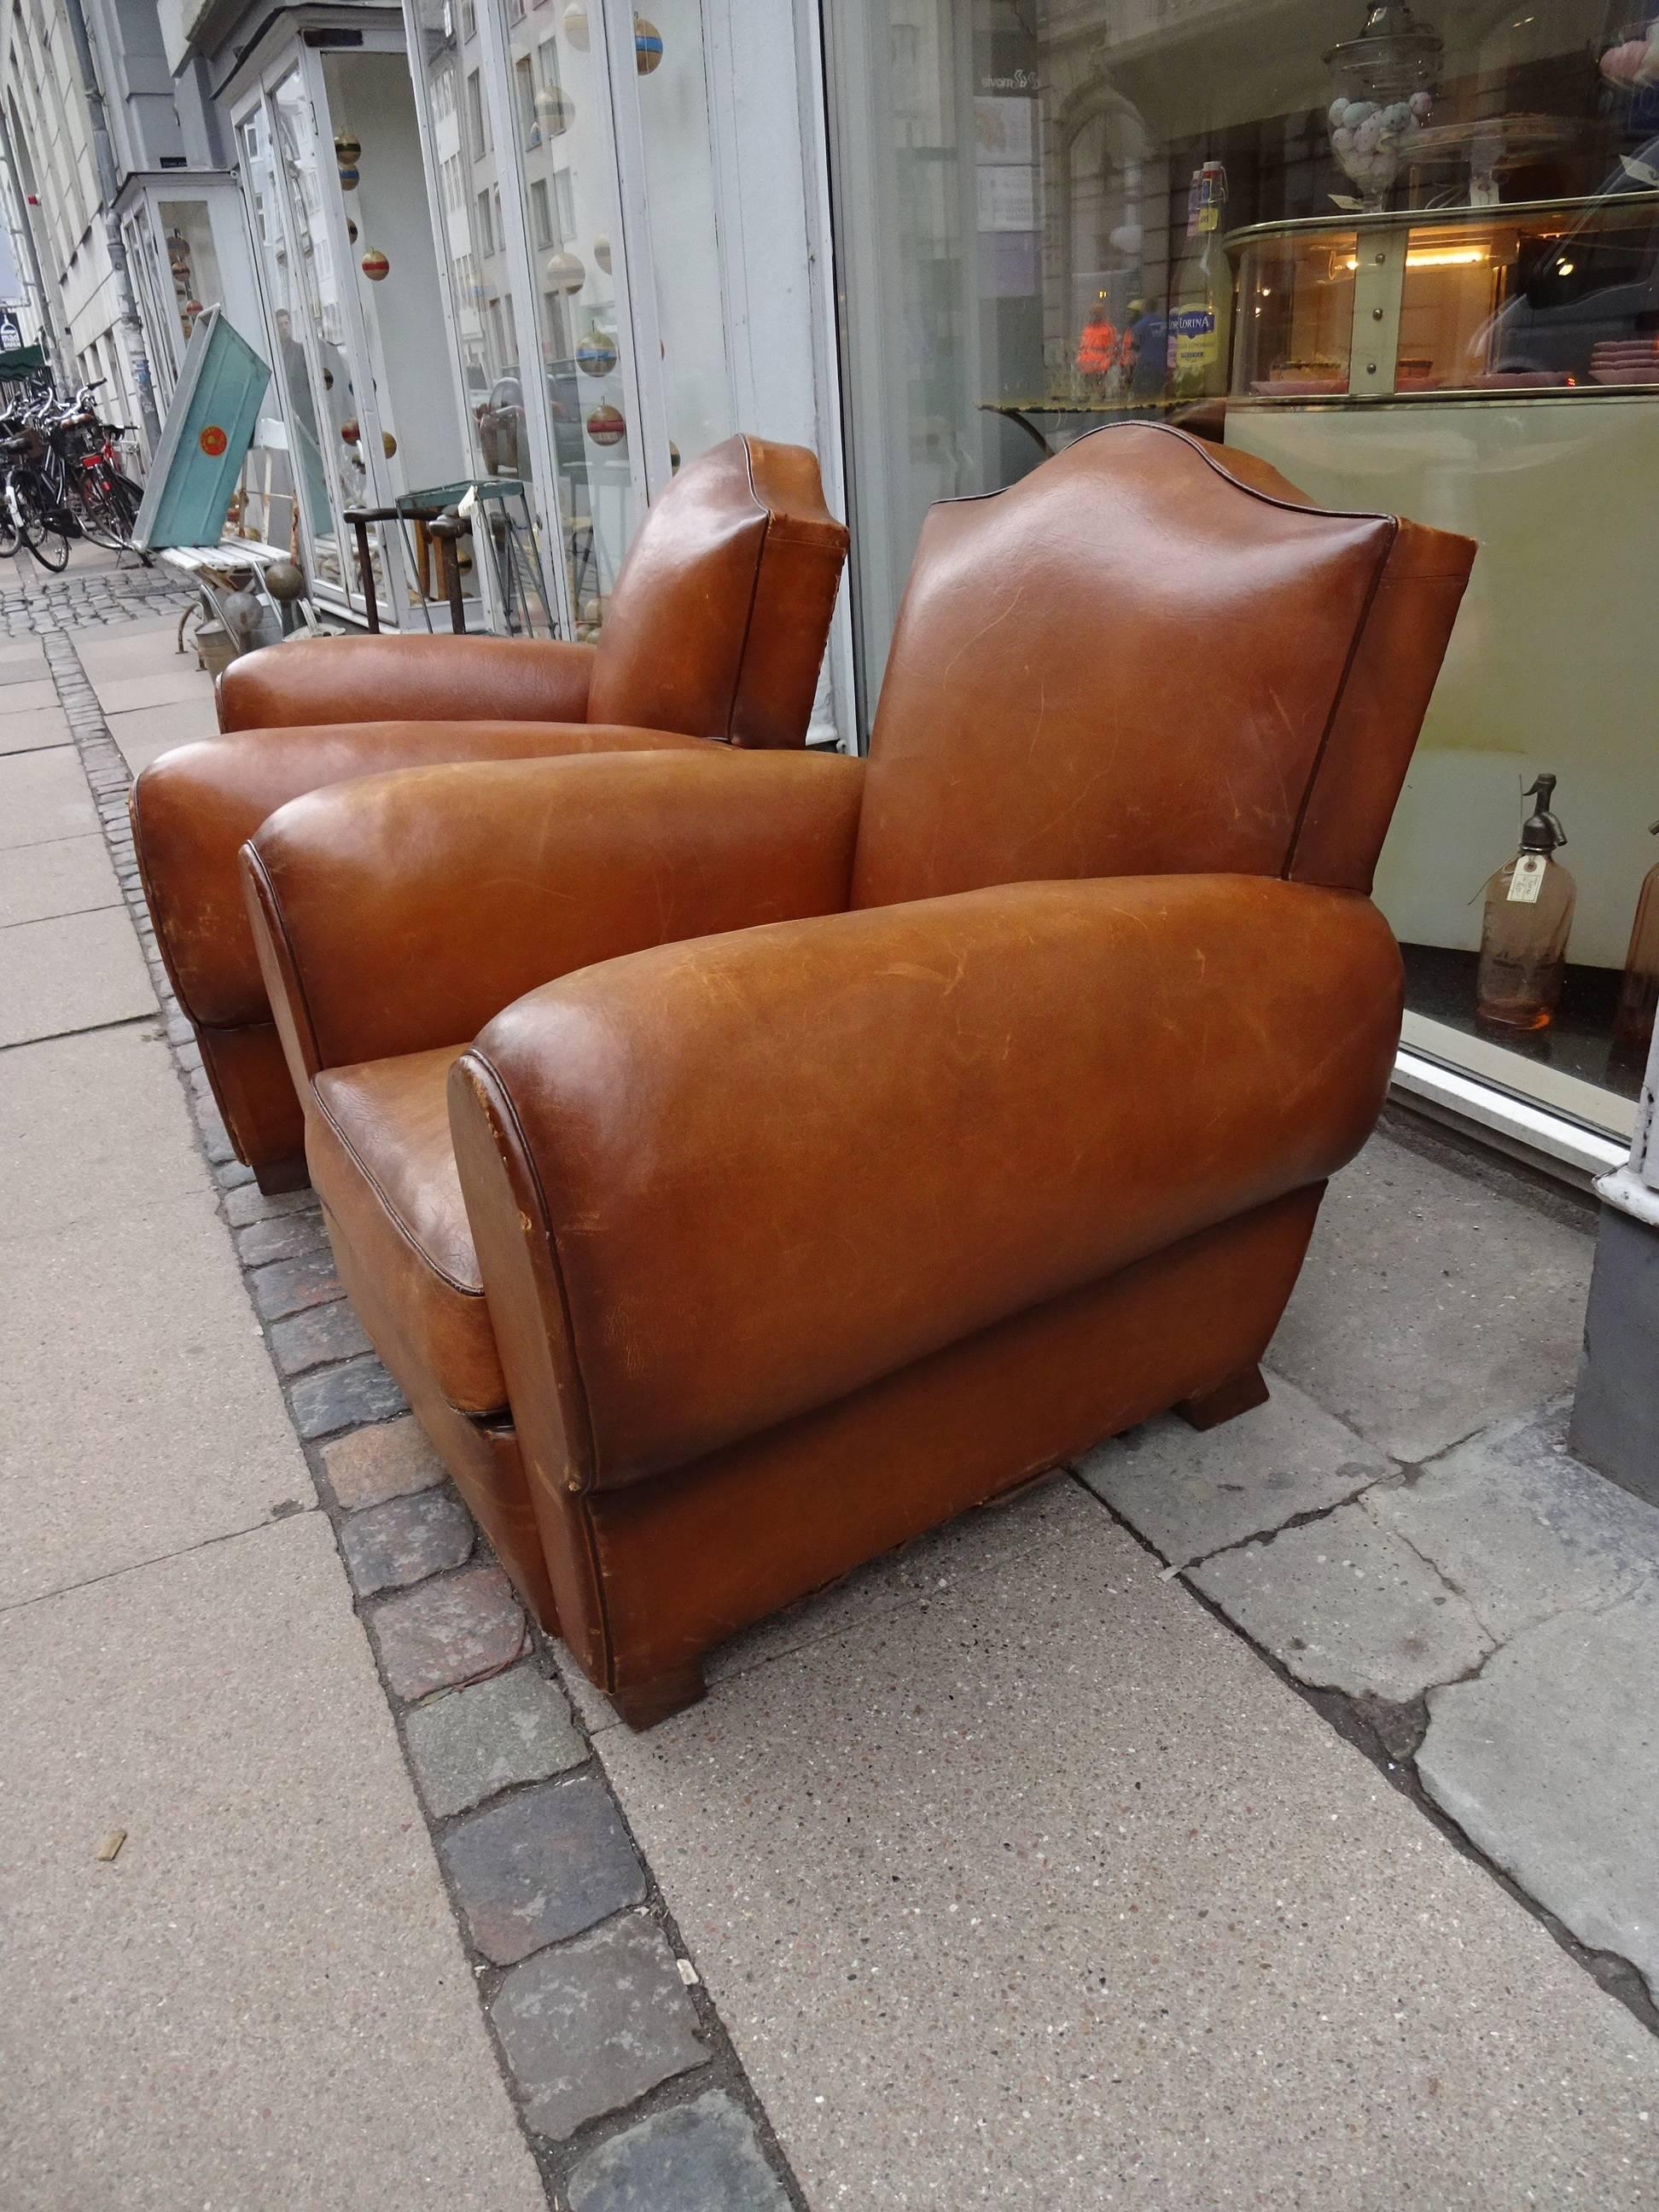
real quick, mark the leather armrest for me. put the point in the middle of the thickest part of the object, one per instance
(353, 679)
(195, 807)
(398, 914)
(756, 1172)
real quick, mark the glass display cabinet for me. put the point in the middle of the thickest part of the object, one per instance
(1494, 370)
(1557, 296)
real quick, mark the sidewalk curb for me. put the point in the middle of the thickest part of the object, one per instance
(344, 1395)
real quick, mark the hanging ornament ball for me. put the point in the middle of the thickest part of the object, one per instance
(351, 230)
(346, 148)
(375, 266)
(576, 26)
(348, 176)
(192, 308)
(602, 252)
(606, 426)
(555, 110)
(596, 356)
(285, 580)
(566, 272)
(350, 431)
(593, 612)
(647, 45)
(388, 443)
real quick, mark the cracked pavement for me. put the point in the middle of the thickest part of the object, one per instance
(1400, 1528)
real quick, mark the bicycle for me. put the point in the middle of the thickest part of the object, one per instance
(33, 504)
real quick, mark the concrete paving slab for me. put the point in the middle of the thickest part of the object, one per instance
(147, 647)
(177, 679)
(74, 971)
(144, 733)
(30, 719)
(1347, 1606)
(262, 2000)
(89, 1123)
(938, 1561)
(1432, 1302)
(43, 796)
(140, 1413)
(22, 660)
(1049, 1894)
(1523, 1528)
(68, 875)
(1550, 1761)
(1190, 1494)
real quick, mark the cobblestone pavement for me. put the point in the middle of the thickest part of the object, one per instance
(614, 2053)
(1400, 1534)
(98, 588)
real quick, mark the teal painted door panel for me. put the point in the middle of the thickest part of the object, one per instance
(205, 439)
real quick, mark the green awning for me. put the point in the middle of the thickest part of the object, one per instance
(22, 361)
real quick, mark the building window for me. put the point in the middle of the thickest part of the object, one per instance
(541, 221)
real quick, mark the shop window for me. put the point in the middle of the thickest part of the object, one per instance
(1415, 267)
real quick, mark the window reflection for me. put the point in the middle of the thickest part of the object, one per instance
(1410, 255)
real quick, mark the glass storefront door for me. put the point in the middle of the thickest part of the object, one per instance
(568, 151)
(299, 380)
(333, 177)
(1409, 255)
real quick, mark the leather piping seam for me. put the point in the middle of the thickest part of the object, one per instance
(1311, 785)
(765, 512)
(273, 911)
(462, 1290)
(583, 1513)
(1198, 447)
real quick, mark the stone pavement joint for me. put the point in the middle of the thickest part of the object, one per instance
(1542, 1872)
(483, 1754)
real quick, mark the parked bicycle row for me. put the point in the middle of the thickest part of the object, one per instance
(63, 477)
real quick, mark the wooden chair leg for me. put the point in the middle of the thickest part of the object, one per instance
(278, 1176)
(644, 1703)
(1242, 1394)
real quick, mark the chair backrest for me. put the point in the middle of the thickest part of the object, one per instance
(718, 619)
(1151, 656)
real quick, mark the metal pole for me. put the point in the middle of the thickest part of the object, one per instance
(104, 156)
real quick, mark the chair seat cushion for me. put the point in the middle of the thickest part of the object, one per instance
(384, 1164)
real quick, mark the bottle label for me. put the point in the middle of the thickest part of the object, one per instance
(1193, 338)
(1528, 878)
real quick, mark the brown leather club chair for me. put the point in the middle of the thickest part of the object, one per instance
(894, 1129)
(716, 629)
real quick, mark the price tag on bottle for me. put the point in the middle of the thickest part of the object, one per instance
(1528, 878)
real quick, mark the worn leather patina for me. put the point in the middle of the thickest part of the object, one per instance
(834, 1145)
(715, 634)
